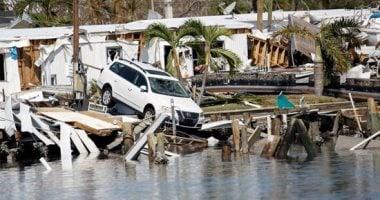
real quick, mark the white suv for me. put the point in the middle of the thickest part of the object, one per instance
(147, 90)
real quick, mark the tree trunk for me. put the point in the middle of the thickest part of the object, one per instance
(177, 65)
(318, 73)
(270, 9)
(260, 11)
(204, 77)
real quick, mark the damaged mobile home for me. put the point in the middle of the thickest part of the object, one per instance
(42, 56)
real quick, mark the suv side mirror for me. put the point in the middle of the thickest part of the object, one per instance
(143, 88)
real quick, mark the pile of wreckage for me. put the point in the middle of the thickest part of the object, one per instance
(30, 131)
(33, 126)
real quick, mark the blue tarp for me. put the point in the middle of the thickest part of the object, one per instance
(13, 52)
(283, 102)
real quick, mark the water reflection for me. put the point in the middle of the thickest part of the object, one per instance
(202, 175)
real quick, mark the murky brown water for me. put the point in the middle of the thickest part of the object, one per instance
(200, 176)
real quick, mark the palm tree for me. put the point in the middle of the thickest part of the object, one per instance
(174, 38)
(332, 46)
(260, 11)
(208, 36)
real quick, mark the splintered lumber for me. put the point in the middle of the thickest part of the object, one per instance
(253, 137)
(236, 134)
(141, 142)
(92, 148)
(81, 121)
(45, 128)
(345, 143)
(116, 142)
(78, 143)
(365, 141)
(271, 145)
(27, 125)
(296, 126)
(332, 106)
(8, 121)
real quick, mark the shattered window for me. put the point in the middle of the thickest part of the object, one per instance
(113, 53)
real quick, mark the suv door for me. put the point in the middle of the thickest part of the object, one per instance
(141, 98)
(127, 86)
(115, 80)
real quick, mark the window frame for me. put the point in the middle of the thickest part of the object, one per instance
(2, 63)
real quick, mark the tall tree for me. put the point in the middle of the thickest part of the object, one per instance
(333, 44)
(174, 38)
(260, 11)
(209, 36)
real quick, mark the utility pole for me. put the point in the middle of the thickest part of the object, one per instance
(152, 4)
(79, 92)
(168, 9)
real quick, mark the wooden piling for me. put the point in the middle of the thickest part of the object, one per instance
(236, 134)
(128, 139)
(244, 140)
(305, 139)
(313, 131)
(152, 142)
(226, 153)
(286, 141)
(276, 126)
(160, 156)
(373, 123)
(247, 120)
(336, 123)
(213, 118)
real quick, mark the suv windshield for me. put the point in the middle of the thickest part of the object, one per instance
(167, 87)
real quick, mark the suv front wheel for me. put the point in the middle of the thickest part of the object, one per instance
(107, 97)
(149, 113)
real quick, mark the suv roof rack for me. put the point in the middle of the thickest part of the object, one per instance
(131, 62)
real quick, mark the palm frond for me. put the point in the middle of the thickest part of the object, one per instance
(196, 26)
(288, 32)
(232, 58)
(159, 30)
(213, 33)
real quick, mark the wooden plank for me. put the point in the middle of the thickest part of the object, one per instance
(92, 148)
(65, 133)
(78, 143)
(87, 123)
(45, 128)
(27, 125)
(141, 142)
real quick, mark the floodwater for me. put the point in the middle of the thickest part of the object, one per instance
(200, 175)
